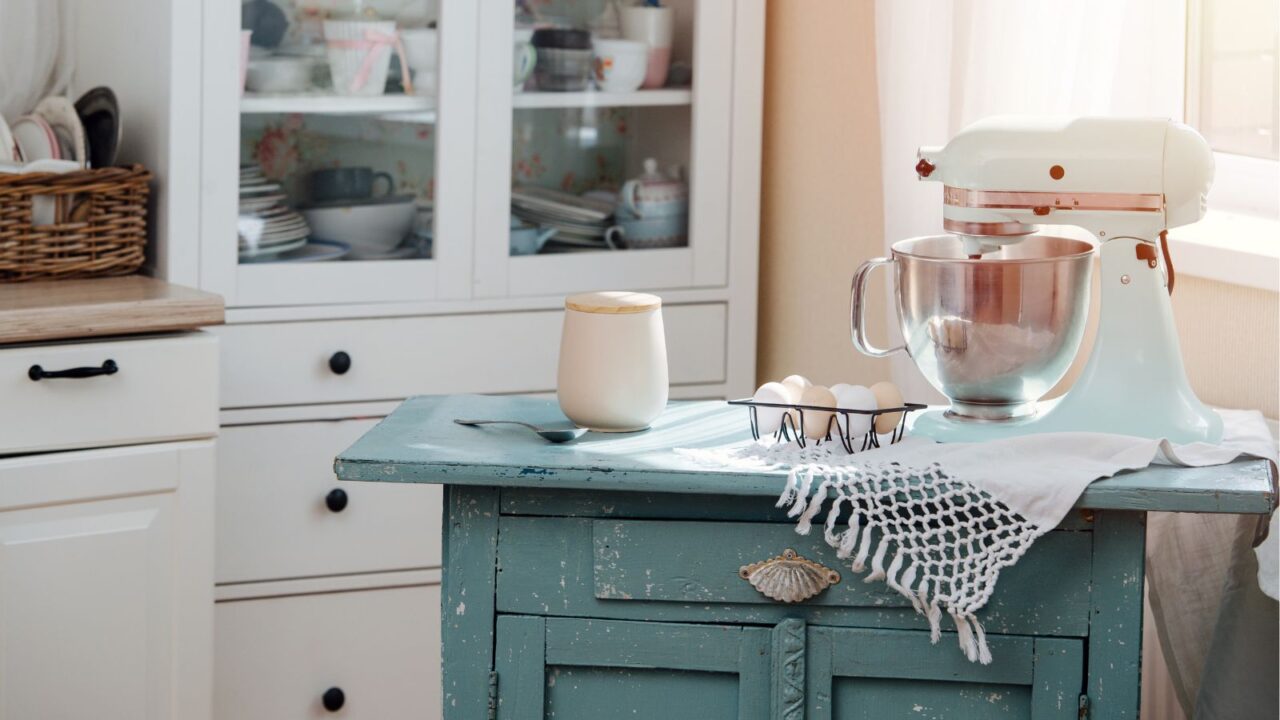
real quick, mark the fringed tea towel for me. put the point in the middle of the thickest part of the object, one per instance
(937, 522)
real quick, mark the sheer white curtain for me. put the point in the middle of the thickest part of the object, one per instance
(943, 64)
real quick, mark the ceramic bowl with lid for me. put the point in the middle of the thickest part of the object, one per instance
(613, 361)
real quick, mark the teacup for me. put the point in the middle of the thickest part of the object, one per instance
(347, 183)
(619, 65)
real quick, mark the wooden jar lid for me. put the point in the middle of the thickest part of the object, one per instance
(613, 302)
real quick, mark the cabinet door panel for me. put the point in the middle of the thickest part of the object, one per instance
(86, 614)
(569, 669)
(887, 674)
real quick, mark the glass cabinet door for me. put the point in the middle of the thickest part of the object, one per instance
(340, 153)
(603, 139)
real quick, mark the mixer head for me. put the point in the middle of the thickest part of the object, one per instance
(1004, 175)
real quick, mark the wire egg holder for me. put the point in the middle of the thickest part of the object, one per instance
(792, 425)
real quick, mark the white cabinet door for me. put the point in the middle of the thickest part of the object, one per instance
(105, 603)
(282, 514)
(582, 143)
(376, 653)
(422, 142)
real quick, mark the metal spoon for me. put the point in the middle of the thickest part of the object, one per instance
(555, 435)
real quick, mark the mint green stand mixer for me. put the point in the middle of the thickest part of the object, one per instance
(993, 313)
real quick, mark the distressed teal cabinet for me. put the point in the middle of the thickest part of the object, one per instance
(601, 580)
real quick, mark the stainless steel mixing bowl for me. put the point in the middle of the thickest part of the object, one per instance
(993, 334)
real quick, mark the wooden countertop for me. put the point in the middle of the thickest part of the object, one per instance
(61, 309)
(420, 443)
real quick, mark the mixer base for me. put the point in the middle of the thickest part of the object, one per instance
(943, 425)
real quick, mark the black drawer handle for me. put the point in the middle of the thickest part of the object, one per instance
(340, 363)
(336, 500)
(108, 367)
(333, 699)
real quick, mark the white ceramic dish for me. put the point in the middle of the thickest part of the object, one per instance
(61, 115)
(374, 227)
(8, 148)
(260, 202)
(399, 253)
(279, 74)
(260, 253)
(35, 139)
(315, 251)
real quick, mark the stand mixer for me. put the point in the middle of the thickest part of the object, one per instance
(993, 313)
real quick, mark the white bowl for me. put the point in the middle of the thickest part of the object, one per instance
(376, 226)
(279, 74)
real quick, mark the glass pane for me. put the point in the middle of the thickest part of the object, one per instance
(1239, 80)
(337, 131)
(601, 126)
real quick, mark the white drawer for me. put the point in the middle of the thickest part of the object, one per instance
(289, 363)
(276, 658)
(164, 388)
(274, 521)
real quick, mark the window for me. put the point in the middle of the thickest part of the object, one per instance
(1233, 99)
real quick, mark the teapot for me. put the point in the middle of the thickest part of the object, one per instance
(653, 195)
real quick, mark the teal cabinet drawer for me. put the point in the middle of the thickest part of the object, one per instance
(687, 571)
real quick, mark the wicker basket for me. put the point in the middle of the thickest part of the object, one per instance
(99, 223)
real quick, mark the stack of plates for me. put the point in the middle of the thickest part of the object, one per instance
(580, 222)
(266, 226)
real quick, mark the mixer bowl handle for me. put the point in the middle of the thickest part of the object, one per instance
(857, 310)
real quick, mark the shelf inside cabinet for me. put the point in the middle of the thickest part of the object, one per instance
(591, 98)
(329, 104)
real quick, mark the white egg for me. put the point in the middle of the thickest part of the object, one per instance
(769, 419)
(817, 421)
(887, 395)
(797, 383)
(856, 397)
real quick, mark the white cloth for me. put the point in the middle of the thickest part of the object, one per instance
(937, 522)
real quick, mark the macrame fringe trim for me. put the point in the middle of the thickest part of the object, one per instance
(963, 585)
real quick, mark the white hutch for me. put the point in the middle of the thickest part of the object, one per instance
(320, 586)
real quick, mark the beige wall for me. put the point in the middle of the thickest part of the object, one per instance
(1230, 336)
(821, 209)
(822, 215)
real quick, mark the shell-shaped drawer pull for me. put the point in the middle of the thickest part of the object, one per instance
(789, 578)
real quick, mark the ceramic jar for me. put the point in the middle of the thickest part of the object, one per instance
(613, 361)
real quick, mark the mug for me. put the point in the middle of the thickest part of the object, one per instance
(347, 183)
(524, 57)
(620, 65)
(653, 27)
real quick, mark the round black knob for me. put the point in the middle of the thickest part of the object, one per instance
(336, 500)
(333, 699)
(340, 363)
